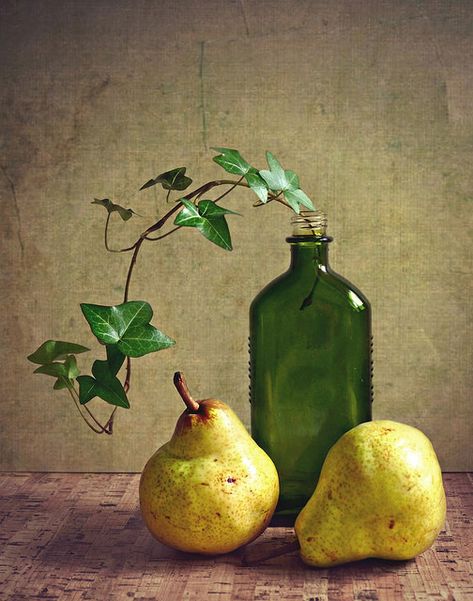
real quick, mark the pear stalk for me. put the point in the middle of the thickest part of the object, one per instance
(254, 557)
(181, 386)
(210, 464)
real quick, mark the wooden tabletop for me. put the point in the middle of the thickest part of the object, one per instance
(80, 536)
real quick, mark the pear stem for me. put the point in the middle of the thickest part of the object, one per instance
(180, 383)
(254, 559)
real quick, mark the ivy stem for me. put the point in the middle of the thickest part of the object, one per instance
(111, 250)
(109, 424)
(105, 234)
(104, 428)
(157, 226)
(178, 227)
(126, 384)
(197, 193)
(271, 197)
(91, 426)
(237, 183)
(137, 247)
(282, 202)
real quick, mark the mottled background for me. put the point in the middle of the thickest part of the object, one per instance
(371, 102)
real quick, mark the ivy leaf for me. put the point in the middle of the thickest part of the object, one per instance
(296, 198)
(189, 216)
(126, 326)
(170, 180)
(68, 369)
(276, 177)
(292, 180)
(208, 208)
(61, 383)
(64, 372)
(104, 385)
(209, 219)
(287, 182)
(51, 350)
(71, 367)
(51, 369)
(257, 184)
(231, 160)
(111, 207)
(115, 358)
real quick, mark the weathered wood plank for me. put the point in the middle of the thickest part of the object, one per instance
(80, 536)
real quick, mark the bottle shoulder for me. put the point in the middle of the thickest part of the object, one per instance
(354, 294)
(275, 286)
(327, 286)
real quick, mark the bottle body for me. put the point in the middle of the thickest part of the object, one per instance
(310, 367)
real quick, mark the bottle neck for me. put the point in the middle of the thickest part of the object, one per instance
(309, 241)
(309, 254)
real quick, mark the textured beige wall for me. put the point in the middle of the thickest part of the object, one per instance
(369, 101)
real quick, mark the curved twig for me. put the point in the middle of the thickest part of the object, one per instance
(91, 426)
(178, 227)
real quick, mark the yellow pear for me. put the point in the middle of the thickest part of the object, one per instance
(380, 494)
(211, 488)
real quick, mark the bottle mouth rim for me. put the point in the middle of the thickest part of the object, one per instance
(309, 238)
(310, 224)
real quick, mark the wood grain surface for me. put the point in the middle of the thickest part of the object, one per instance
(80, 536)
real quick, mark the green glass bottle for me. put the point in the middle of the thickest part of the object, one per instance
(310, 362)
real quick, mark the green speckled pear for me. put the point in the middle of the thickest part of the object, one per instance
(380, 494)
(211, 488)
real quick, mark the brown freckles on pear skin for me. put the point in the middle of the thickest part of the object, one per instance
(228, 479)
